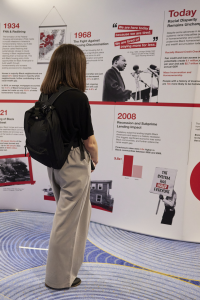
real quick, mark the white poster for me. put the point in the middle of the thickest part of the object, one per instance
(50, 37)
(163, 181)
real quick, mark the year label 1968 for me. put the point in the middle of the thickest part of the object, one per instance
(82, 34)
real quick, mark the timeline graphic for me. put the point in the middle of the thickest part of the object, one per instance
(129, 169)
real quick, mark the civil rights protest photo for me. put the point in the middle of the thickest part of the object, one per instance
(114, 83)
(14, 170)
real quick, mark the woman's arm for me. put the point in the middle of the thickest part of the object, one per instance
(92, 147)
(172, 200)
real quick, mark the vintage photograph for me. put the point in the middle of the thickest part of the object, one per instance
(114, 87)
(48, 194)
(99, 195)
(163, 185)
(14, 170)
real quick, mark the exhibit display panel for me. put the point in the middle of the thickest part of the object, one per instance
(143, 88)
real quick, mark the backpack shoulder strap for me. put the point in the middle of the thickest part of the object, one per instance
(52, 99)
(43, 98)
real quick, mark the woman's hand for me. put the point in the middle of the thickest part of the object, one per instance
(91, 146)
(94, 166)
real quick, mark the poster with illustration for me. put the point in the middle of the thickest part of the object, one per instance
(50, 37)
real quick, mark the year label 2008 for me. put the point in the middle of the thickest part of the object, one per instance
(128, 116)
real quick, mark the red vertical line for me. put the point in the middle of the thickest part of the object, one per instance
(30, 169)
(190, 140)
(161, 53)
(128, 165)
(114, 129)
(132, 168)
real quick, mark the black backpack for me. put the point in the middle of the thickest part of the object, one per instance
(43, 133)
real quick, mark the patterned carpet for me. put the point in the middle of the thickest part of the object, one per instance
(117, 265)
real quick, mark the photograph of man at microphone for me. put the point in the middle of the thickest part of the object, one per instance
(114, 89)
(113, 85)
(150, 89)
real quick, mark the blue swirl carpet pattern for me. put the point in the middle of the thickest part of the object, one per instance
(117, 264)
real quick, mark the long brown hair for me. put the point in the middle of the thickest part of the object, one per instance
(68, 67)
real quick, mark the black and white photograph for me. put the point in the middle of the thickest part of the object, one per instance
(100, 195)
(169, 212)
(14, 170)
(114, 87)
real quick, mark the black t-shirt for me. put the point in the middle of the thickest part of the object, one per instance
(74, 113)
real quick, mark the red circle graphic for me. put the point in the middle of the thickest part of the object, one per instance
(195, 181)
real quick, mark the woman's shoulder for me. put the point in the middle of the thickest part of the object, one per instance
(75, 95)
(71, 99)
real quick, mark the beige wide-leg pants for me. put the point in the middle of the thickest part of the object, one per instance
(71, 187)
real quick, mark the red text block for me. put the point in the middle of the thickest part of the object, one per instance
(109, 209)
(126, 42)
(50, 198)
(133, 27)
(133, 33)
(140, 45)
(162, 186)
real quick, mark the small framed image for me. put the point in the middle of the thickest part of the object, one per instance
(15, 170)
(100, 197)
(49, 195)
(50, 37)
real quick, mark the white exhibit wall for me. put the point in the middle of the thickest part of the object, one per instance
(192, 198)
(133, 136)
(134, 205)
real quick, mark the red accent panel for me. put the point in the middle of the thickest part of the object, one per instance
(133, 27)
(30, 170)
(102, 103)
(162, 186)
(145, 104)
(194, 181)
(133, 33)
(126, 42)
(110, 209)
(16, 183)
(139, 45)
(116, 103)
(50, 198)
(18, 101)
(128, 165)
